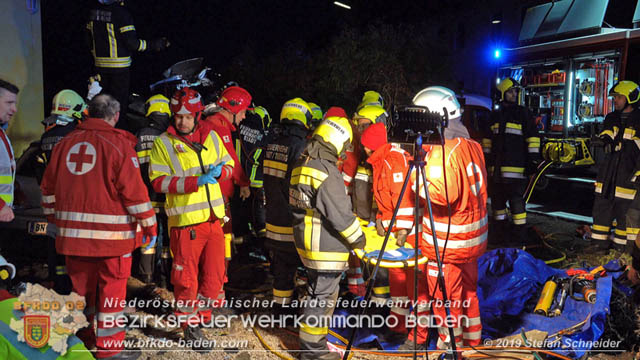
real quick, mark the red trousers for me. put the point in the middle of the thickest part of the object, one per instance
(401, 286)
(103, 283)
(460, 283)
(198, 271)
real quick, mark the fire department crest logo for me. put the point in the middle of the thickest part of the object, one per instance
(81, 158)
(36, 330)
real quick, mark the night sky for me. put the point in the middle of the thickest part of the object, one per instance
(220, 31)
(215, 30)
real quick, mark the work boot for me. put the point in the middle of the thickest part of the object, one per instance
(129, 354)
(200, 343)
(408, 346)
(320, 355)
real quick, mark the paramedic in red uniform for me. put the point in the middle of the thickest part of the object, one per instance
(92, 190)
(466, 181)
(187, 162)
(234, 103)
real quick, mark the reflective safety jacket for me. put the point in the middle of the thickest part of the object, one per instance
(511, 143)
(280, 156)
(7, 170)
(175, 164)
(466, 180)
(616, 171)
(93, 191)
(146, 136)
(252, 138)
(323, 224)
(113, 36)
(390, 165)
(225, 131)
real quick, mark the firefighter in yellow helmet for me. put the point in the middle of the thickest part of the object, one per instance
(66, 112)
(158, 116)
(511, 144)
(281, 153)
(324, 228)
(316, 116)
(614, 194)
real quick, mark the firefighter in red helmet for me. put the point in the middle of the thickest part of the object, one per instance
(234, 103)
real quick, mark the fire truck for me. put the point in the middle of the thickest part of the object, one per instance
(566, 64)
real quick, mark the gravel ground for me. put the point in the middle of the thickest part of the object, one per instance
(238, 342)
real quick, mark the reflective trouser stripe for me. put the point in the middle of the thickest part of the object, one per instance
(282, 297)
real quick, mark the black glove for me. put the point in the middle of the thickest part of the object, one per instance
(401, 237)
(159, 44)
(358, 244)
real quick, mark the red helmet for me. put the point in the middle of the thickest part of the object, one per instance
(186, 101)
(235, 99)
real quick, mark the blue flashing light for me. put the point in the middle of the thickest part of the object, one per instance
(496, 53)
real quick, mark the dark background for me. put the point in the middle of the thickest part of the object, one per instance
(279, 49)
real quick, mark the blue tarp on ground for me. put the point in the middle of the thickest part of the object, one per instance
(509, 284)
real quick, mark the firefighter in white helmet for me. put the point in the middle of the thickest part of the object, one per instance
(465, 177)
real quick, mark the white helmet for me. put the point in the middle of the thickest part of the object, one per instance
(438, 98)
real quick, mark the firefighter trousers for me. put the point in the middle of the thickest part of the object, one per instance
(284, 265)
(511, 193)
(116, 83)
(633, 223)
(198, 272)
(605, 211)
(460, 282)
(319, 303)
(103, 283)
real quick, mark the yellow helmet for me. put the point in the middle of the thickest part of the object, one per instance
(158, 103)
(67, 103)
(316, 115)
(296, 111)
(626, 88)
(505, 85)
(264, 115)
(371, 98)
(373, 113)
(335, 130)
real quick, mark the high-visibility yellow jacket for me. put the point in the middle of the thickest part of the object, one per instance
(176, 163)
(324, 226)
(7, 170)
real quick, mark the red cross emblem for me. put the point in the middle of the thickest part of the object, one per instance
(475, 177)
(81, 158)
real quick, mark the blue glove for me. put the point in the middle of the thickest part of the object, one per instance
(145, 239)
(216, 170)
(209, 177)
